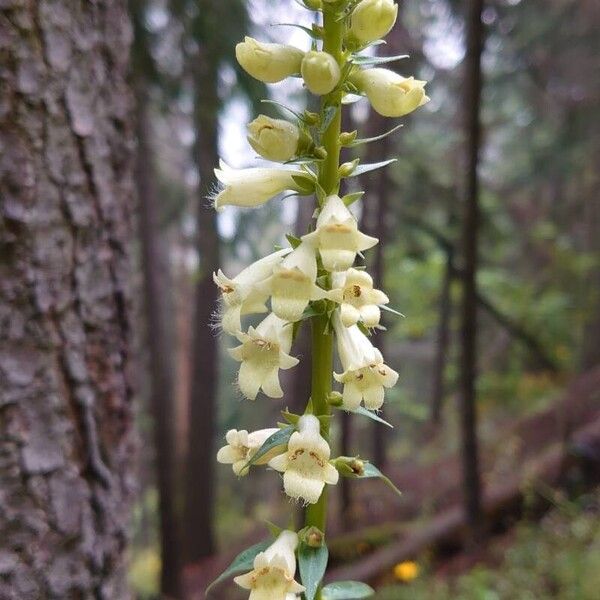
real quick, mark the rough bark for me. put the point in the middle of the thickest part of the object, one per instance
(66, 441)
(199, 542)
(160, 352)
(468, 368)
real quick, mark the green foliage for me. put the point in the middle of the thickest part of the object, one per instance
(312, 563)
(347, 590)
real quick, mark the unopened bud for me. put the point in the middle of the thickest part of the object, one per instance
(372, 19)
(312, 536)
(268, 62)
(311, 118)
(346, 169)
(347, 137)
(320, 152)
(320, 72)
(274, 139)
(349, 466)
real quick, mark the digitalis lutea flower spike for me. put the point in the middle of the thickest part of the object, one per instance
(264, 350)
(337, 236)
(305, 466)
(272, 577)
(242, 294)
(365, 375)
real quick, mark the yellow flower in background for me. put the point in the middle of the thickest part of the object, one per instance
(406, 571)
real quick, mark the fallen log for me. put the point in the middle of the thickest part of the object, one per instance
(500, 501)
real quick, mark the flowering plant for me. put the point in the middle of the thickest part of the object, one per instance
(314, 280)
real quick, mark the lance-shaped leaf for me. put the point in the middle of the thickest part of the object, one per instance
(349, 199)
(371, 470)
(369, 61)
(376, 138)
(371, 167)
(313, 34)
(346, 590)
(279, 438)
(312, 563)
(361, 410)
(243, 562)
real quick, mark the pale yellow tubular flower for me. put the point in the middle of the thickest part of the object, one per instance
(359, 301)
(320, 72)
(255, 186)
(272, 577)
(274, 139)
(365, 375)
(337, 236)
(241, 295)
(390, 94)
(268, 62)
(242, 446)
(372, 20)
(305, 466)
(292, 284)
(263, 351)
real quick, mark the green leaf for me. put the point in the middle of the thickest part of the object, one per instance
(290, 417)
(372, 471)
(349, 199)
(376, 138)
(293, 240)
(346, 590)
(313, 34)
(328, 116)
(368, 61)
(371, 167)
(312, 563)
(284, 107)
(304, 183)
(279, 438)
(243, 562)
(385, 307)
(361, 410)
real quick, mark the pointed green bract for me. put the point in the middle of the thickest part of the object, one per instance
(312, 563)
(279, 438)
(244, 561)
(346, 590)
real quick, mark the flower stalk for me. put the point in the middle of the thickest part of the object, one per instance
(314, 280)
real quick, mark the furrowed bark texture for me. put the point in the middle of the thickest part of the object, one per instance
(66, 441)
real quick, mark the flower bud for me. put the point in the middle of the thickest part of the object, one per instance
(346, 169)
(274, 139)
(372, 19)
(268, 62)
(347, 137)
(390, 94)
(320, 72)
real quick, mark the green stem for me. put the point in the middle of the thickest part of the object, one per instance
(322, 338)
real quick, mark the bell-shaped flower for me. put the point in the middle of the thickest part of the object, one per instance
(242, 446)
(365, 375)
(274, 139)
(320, 72)
(390, 94)
(241, 295)
(292, 284)
(268, 62)
(255, 186)
(337, 236)
(272, 577)
(372, 19)
(264, 350)
(358, 300)
(305, 466)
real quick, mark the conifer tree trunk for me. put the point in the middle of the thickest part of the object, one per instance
(199, 483)
(468, 375)
(66, 423)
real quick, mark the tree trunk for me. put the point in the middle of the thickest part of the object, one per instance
(160, 349)
(468, 412)
(66, 420)
(204, 374)
(443, 342)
